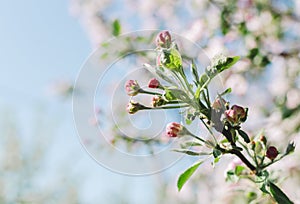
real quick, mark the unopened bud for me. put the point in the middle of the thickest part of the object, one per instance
(252, 145)
(263, 139)
(132, 87)
(164, 39)
(134, 107)
(173, 129)
(153, 83)
(271, 153)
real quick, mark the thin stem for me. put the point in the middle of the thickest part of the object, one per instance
(168, 107)
(175, 102)
(198, 138)
(185, 80)
(209, 130)
(149, 92)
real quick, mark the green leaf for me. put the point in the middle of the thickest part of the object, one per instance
(116, 28)
(238, 170)
(264, 189)
(216, 160)
(190, 143)
(244, 136)
(194, 71)
(230, 176)
(204, 80)
(278, 194)
(179, 94)
(227, 91)
(229, 63)
(188, 121)
(252, 53)
(190, 152)
(169, 95)
(251, 196)
(187, 174)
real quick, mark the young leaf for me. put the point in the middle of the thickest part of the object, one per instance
(179, 94)
(278, 194)
(230, 61)
(169, 95)
(190, 152)
(190, 143)
(194, 71)
(187, 174)
(264, 189)
(244, 136)
(238, 170)
(116, 26)
(227, 91)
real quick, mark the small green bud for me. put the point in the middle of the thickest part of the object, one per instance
(252, 145)
(258, 147)
(290, 148)
(263, 139)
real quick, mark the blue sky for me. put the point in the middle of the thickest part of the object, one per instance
(41, 43)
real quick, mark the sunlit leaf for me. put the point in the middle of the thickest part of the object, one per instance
(116, 28)
(244, 136)
(187, 174)
(278, 194)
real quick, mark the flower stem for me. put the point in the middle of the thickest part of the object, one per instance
(169, 107)
(149, 92)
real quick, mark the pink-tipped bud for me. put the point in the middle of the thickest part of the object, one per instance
(153, 83)
(236, 115)
(241, 112)
(132, 87)
(163, 39)
(231, 116)
(173, 129)
(134, 107)
(271, 152)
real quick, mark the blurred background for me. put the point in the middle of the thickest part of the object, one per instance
(42, 48)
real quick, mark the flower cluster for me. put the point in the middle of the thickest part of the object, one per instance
(236, 115)
(216, 116)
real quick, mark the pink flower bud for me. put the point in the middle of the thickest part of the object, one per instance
(173, 129)
(231, 116)
(132, 87)
(236, 115)
(134, 107)
(158, 101)
(240, 111)
(163, 39)
(271, 152)
(153, 83)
